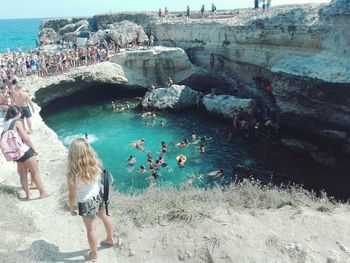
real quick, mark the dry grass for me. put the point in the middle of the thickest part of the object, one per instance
(14, 226)
(159, 206)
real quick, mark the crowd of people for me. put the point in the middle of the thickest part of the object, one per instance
(164, 15)
(50, 62)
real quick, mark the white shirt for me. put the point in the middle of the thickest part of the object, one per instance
(86, 191)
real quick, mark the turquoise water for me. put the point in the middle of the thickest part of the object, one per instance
(16, 33)
(112, 134)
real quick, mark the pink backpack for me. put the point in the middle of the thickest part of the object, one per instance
(11, 144)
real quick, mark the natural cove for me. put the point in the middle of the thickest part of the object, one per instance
(112, 133)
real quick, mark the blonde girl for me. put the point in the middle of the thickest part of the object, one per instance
(83, 178)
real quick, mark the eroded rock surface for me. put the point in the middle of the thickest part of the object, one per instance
(224, 105)
(51, 88)
(176, 97)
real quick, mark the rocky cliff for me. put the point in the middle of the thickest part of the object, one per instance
(302, 49)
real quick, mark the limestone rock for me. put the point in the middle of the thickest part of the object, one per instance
(82, 24)
(175, 97)
(153, 66)
(55, 24)
(51, 88)
(48, 36)
(224, 105)
(96, 38)
(298, 146)
(125, 31)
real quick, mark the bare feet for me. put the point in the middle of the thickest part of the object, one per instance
(109, 243)
(45, 195)
(32, 186)
(91, 257)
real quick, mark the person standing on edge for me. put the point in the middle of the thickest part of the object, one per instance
(256, 5)
(84, 185)
(188, 14)
(160, 15)
(28, 161)
(166, 13)
(22, 100)
(213, 10)
(268, 5)
(202, 11)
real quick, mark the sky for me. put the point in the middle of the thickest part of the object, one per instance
(69, 8)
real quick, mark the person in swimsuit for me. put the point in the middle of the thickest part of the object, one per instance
(22, 100)
(84, 185)
(28, 161)
(131, 160)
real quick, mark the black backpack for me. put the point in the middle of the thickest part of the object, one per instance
(106, 181)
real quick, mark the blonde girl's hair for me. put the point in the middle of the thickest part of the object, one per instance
(83, 162)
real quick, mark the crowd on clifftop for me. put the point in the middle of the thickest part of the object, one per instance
(164, 15)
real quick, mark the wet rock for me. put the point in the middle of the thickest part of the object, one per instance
(176, 97)
(324, 158)
(48, 36)
(81, 25)
(298, 146)
(224, 105)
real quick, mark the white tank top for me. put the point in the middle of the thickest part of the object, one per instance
(86, 191)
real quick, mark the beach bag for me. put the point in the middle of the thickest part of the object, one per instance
(11, 144)
(106, 181)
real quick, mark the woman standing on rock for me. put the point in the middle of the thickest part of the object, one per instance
(84, 185)
(27, 162)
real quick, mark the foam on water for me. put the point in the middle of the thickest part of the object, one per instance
(69, 139)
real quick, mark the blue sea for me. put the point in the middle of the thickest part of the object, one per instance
(15, 33)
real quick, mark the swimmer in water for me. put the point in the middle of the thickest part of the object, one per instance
(201, 148)
(161, 161)
(142, 170)
(181, 161)
(161, 123)
(194, 136)
(157, 164)
(138, 144)
(217, 173)
(206, 138)
(86, 136)
(131, 160)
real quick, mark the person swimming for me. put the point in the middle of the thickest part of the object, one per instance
(206, 138)
(181, 160)
(217, 173)
(157, 164)
(142, 170)
(138, 144)
(131, 160)
(194, 136)
(201, 148)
